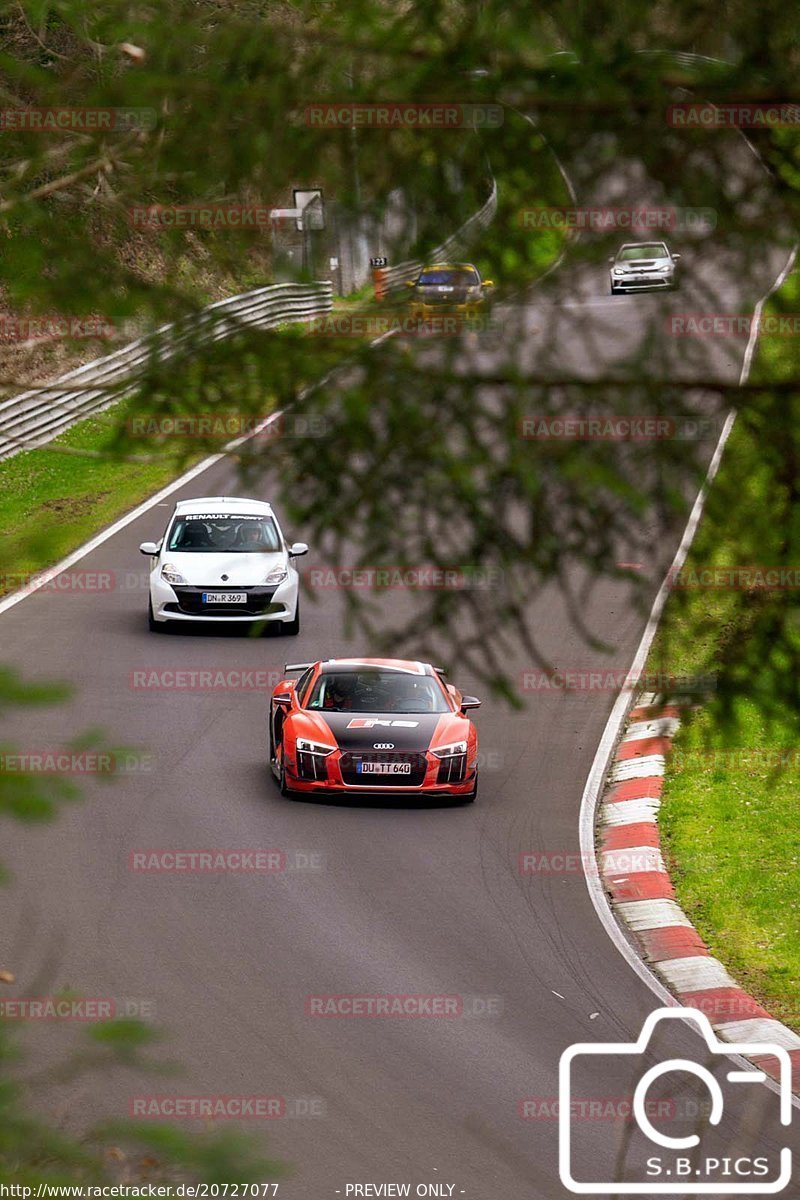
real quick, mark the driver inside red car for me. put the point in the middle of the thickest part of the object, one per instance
(337, 698)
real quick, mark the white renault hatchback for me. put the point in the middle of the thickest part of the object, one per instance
(223, 559)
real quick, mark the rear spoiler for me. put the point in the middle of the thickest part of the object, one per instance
(297, 666)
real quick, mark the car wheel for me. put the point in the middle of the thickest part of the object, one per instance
(292, 628)
(615, 291)
(284, 790)
(153, 625)
(472, 796)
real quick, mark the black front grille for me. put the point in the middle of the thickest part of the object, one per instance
(645, 283)
(190, 601)
(443, 298)
(348, 765)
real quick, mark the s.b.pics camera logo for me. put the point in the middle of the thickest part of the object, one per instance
(669, 1158)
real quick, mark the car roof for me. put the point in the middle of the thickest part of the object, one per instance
(401, 665)
(646, 242)
(449, 266)
(223, 504)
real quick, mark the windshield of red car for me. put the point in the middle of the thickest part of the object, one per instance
(377, 691)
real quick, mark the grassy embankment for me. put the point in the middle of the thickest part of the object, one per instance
(730, 823)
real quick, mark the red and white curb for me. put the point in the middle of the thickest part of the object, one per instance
(643, 898)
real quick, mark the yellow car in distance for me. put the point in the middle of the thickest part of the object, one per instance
(448, 288)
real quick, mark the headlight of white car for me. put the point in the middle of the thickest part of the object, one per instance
(308, 747)
(666, 268)
(451, 751)
(170, 574)
(277, 575)
(619, 270)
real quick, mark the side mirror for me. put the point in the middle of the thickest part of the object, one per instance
(488, 283)
(297, 548)
(675, 257)
(468, 702)
(283, 698)
(411, 283)
(611, 260)
(149, 548)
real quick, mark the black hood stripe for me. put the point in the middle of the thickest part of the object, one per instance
(404, 737)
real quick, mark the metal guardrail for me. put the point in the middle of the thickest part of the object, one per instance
(686, 58)
(36, 416)
(389, 280)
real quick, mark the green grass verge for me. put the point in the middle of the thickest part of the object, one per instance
(53, 499)
(732, 839)
(729, 819)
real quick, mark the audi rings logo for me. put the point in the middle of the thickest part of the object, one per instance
(383, 746)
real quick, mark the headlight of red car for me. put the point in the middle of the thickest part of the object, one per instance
(449, 751)
(453, 759)
(311, 758)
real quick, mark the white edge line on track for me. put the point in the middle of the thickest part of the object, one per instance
(593, 790)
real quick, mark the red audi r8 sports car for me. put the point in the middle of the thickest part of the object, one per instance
(369, 725)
